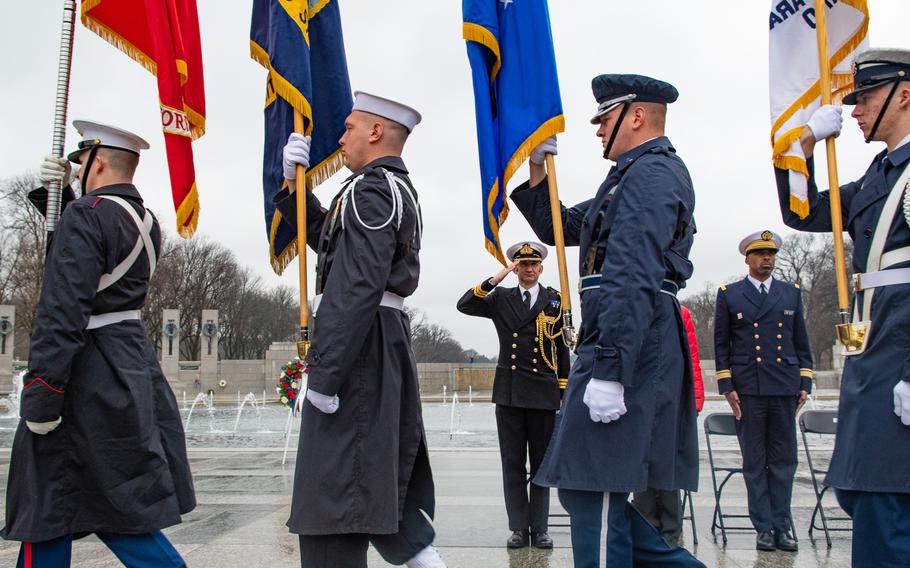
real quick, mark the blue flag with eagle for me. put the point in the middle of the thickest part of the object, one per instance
(301, 44)
(516, 95)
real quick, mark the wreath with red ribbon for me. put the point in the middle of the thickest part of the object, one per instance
(291, 380)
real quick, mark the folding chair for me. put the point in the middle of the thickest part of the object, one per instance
(724, 424)
(822, 422)
(721, 424)
(687, 498)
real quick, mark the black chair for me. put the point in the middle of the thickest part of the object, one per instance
(823, 422)
(724, 424)
(687, 498)
(721, 424)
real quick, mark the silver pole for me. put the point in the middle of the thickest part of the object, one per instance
(64, 64)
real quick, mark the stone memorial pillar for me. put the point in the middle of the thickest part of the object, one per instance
(7, 341)
(208, 351)
(170, 344)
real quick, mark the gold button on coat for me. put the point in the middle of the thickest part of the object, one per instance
(779, 336)
(758, 347)
(756, 336)
(514, 335)
(779, 359)
(513, 355)
(514, 345)
(755, 325)
(758, 359)
(513, 367)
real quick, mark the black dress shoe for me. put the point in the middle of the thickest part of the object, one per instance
(541, 540)
(765, 541)
(519, 539)
(785, 541)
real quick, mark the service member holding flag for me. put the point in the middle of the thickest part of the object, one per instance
(363, 474)
(101, 446)
(870, 468)
(628, 418)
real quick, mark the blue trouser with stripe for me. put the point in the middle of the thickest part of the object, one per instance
(152, 550)
(881, 527)
(608, 531)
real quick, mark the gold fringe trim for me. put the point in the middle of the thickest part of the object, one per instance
(551, 127)
(479, 34)
(197, 120)
(283, 87)
(259, 55)
(491, 246)
(839, 81)
(324, 169)
(188, 213)
(799, 207)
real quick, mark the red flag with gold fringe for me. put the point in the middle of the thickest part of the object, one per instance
(163, 36)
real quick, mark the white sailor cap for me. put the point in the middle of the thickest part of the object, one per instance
(104, 136)
(760, 240)
(526, 250)
(387, 108)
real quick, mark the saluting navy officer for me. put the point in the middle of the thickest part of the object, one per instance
(870, 468)
(530, 376)
(628, 418)
(764, 369)
(100, 448)
(363, 474)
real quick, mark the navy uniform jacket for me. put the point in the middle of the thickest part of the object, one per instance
(872, 452)
(761, 346)
(532, 368)
(634, 238)
(117, 463)
(355, 467)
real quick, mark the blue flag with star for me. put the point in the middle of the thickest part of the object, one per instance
(300, 43)
(516, 95)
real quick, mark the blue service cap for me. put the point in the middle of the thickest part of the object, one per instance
(611, 90)
(875, 67)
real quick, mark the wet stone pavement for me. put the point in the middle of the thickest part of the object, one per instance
(244, 495)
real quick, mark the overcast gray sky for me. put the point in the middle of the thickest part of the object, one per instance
(715, 53)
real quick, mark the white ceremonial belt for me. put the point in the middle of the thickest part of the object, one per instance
(881, 278)
(110, 318)
(389, 300)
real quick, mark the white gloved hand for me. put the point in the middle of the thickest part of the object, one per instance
(326, 404)
(902, 401)
(604, 400)
(296, 151)
(826, 121)
(54, 168)
(426, 558)
(539, 154)
(43, 428)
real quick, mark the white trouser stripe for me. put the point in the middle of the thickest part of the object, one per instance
(604, 529)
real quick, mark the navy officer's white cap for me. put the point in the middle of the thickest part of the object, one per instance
(105, 136)
(387, 108)
(526, 250)
(760, 240)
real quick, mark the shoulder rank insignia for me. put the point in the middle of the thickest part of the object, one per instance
(723, 288)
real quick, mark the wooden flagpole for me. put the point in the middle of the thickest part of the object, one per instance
(303, 344)
(568, 330)
(824, 66)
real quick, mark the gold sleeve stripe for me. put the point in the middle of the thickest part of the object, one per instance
(805, 373)
(725, 374)
(563, 383)
(480, 292)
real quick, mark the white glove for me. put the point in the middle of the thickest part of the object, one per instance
(296, 151)
(426, 558)
(902, 401)
(326, 404)
(43, 428)
(826, 121)
(53, 169)
(539, 154)
(604, 400)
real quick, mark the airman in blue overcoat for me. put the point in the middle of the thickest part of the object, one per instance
(628, 418)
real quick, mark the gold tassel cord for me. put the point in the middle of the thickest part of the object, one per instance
(546, 326)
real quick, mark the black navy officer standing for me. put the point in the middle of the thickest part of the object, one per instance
(870, 468)
(628, 417)
(100, 448)
(764, 369)
(363, 474)
(530, 375)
